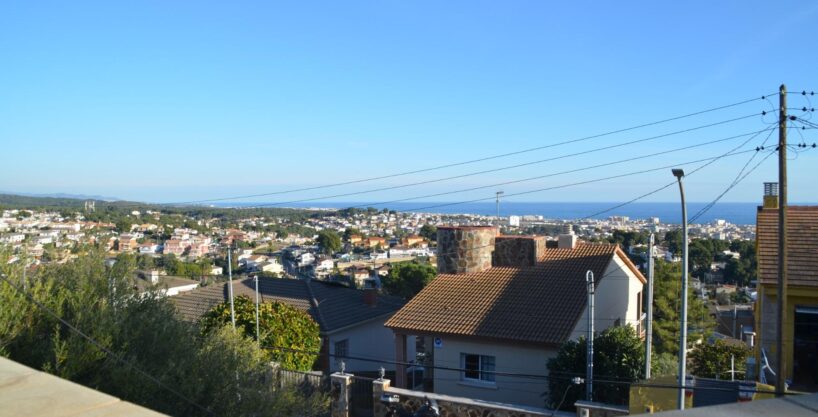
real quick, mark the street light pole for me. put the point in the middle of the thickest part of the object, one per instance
(255, 280)
(679, 173)
(589, 355)
(230, 286)
(499, 193)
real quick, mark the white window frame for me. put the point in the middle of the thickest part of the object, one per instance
(484, 375)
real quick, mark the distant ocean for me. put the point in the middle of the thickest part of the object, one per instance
(736, 213)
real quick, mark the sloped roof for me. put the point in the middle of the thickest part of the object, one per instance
(333, 307)
(802, 245)
(539, 303)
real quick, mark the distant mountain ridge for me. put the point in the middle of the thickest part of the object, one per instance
(64, 195)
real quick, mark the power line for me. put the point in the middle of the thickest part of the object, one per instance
(754, 134)
(649, 193)
(580, 182)
(472, 161)
(505, 168)
(104, 349)
(735, 182)
(436, 180)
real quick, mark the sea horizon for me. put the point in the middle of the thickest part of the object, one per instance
(740, 213)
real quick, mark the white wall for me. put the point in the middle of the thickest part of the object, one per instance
(170, 292)
(509, 358)
(616, 297)
(369, 340)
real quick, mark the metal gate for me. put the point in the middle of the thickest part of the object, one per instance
(361, 403)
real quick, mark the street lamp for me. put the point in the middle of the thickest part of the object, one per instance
(679, 173)
(499, 194)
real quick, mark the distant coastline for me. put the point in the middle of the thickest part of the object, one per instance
(736, 213)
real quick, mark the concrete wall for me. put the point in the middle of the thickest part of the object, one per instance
(617, 297)
(508, 358)
(368, 340)
(452, 406)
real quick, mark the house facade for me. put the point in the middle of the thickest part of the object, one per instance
(351, 322)
(504, 304)
(801, 323)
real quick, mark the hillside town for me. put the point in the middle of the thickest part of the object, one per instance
(408, 209)
(371, 239)
(371, 280)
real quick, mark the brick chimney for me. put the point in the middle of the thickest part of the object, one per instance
(770, 195)
(567, 239)
(517, 250)
(464, 249)
(370, 296)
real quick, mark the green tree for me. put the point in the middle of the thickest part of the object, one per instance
(406, 279)
(124, 266)
(329, 241)
(666, 297)
(280, 326)
(170, 263)
(222, 370)
(124, 225)
(701, 256)
(713, 361)
(629, 238)
(350, 231)
(743, 270)
(673, 241)
(429, 232)
(145, 262)
(618, 352)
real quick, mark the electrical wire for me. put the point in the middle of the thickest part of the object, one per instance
(472, 161)
(738, 180)
(383, 203)
(504, 168)
(578, 183)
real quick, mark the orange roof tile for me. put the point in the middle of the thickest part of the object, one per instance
(539, 303)
(802, 245)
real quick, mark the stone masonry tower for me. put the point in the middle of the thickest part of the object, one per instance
(463, 249)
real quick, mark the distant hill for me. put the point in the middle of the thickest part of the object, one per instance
(24, 201)
(65, 195)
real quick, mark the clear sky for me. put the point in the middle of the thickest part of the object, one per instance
(172, 101)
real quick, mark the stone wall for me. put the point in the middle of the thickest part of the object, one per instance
(517, 250)
(464, 249)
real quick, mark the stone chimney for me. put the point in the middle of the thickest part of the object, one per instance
(518, 250)
(370, 296)
(567, 239)
(770, 195)
(463, 249)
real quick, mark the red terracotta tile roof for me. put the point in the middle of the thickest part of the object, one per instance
(539, 303)
(802, 245)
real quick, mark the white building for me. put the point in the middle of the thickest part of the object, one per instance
(509, 306)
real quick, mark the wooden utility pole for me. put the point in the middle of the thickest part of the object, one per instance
(782, 346)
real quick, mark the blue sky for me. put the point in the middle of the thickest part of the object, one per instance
(175, 101)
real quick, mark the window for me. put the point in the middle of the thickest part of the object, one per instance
(341, 350)
(477, 367)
